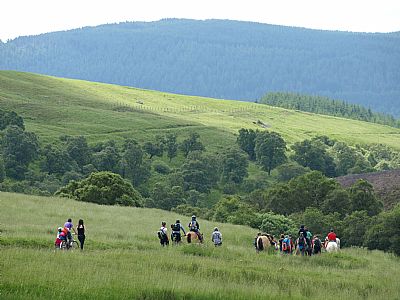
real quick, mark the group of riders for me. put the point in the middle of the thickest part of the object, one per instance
(305, 244)
(194, 230)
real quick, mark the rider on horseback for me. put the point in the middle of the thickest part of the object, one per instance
(331, 237)
(195, 227)
(176, 231)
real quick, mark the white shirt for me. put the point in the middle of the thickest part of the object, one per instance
(164, 230)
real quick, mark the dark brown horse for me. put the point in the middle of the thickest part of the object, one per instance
(192, 237)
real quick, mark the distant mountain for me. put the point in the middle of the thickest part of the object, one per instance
(221, 59)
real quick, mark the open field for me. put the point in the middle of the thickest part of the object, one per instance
(123, 260)
(54, 106)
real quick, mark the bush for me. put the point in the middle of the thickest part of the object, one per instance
(188, 210)
(354, 228)
(384, 234)
(232, 210)
(277, 224)
(318, 222)
(103, 188)
(289, 170)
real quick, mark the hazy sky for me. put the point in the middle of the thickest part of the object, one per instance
(26, 17)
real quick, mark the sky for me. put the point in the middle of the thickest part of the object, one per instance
(28, 17)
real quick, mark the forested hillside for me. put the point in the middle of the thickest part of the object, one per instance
(221, 59)
(327, 106)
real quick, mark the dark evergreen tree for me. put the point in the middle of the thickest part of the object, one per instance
(326, 106)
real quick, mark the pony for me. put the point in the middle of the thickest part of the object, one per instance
(192, 237)
(265, 242)
(332, 246)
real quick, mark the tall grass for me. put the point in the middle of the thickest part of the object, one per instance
(123, 260)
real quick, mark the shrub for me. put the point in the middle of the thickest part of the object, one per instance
(384, 234)
(103, 188)
(277, 224)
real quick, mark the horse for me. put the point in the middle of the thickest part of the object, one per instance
(332, 246)
(265, 242)
(192, 236)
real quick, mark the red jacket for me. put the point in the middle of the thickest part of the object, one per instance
(332, 236)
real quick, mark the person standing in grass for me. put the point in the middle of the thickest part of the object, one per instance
(317, 245)
(163, 235)
(301, 244)
(216, 237)
(286, 245)
(280, 241)
(81, 233)
(176, 231)
(309, 240)
(292, 246)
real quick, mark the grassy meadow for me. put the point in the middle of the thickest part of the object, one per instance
(54, 106)
(124, 260)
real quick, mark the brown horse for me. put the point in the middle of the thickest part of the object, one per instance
(265, 242)
(192, 237)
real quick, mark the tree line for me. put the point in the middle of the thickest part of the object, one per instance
(327, 106)
(287, 185)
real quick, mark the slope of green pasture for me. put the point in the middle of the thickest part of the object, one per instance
(54, 106)
(123, 260)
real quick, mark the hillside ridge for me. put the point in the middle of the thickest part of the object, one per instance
(53, 106)
(220, 59)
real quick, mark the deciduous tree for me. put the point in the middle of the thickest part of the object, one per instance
(270, 150)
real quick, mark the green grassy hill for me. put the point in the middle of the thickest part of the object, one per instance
(123, 260)
(54, 106)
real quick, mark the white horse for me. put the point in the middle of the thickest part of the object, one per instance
(332, 246)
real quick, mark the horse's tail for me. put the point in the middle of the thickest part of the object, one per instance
(189, 238)
(260, 244)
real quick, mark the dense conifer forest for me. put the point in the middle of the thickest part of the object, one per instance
(327, 106)
(222, 59)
